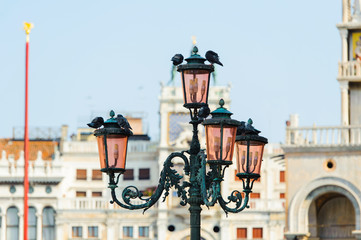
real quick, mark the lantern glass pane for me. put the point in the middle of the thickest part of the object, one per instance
(213, 135)
(101, 151)
(195, 86)
(255, 157)
(117, 150)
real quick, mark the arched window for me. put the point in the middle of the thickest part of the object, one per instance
(48, 223)
(32, 223)
(12, 223)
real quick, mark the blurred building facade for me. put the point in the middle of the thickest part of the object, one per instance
(69, 198)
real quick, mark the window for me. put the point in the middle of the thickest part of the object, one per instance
(93, 231)
(77, 232)
(282, 176)
(96, 194)
(12, 223)
(255, 195)
(129, 174)
(241, 233)
(32, 223)
(81, 174)
(282, 195)
(80, 194)
(48, 223)
(144, 174)
(127, 232)
(144, 232)
(97, 175)
(257, 233)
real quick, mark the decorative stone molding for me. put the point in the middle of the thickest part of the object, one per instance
(300, 203)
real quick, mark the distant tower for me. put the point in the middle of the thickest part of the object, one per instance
(349, 74)
(323, 190)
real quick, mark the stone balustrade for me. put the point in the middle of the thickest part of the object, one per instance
(92, 147)
(323, 136)
(38, 168)
(349, 70)
(267, 205)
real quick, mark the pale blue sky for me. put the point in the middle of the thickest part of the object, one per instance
(280, 56)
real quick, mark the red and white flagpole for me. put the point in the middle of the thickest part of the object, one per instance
(27, 28)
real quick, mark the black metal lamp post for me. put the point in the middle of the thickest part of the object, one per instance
(203, 188)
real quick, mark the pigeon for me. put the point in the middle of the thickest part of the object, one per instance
(213, 57)
(123, 122)
(247, 128)
(241, 128)
(96, 123)
(203, 112)
(177, 59)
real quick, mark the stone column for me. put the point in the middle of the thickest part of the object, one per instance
(344, 103)
(344, 45)
(3, 226)
(39, 226)
(21, 225)
(346, 11)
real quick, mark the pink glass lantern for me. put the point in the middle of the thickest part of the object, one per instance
(195, 80)
(112, 146)
(249, 148)
(221, 133)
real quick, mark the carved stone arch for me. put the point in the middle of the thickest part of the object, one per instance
(301, 202)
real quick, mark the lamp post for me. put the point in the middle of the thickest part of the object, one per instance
(202, 188)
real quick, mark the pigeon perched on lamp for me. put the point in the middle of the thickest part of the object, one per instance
(177, 59)
(213, 58)
(123, 123)
(247, 128)
(96, 122)
(203, 112)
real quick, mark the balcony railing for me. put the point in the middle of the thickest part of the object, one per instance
(266, 204)
(324, 136)
(87, 203)
(91, 146)
(349, 70)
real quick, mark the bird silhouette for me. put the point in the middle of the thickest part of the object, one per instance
(241, 128)
(247, 128)
(177, 59)
(123, 123)
(203, 112)
(96, 123)
(213, 57)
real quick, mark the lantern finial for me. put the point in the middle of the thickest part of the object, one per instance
(221, 102)
(112, 114)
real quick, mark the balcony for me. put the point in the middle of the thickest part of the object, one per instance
(349, 71)
(323, 136)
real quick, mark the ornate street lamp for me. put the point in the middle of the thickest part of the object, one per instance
(202, 188)
(195, 80)
(112, 145)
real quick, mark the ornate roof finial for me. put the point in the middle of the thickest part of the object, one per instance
(28, 27)
(194, 40)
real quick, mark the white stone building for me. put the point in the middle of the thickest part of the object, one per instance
(70, 198)
(323, 163)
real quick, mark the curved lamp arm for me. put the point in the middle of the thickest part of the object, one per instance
(168, 178)
(206, 183)
(214, 192)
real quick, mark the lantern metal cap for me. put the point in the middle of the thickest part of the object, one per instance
(221, 112)
(221, 115)
(246, 132)
(195, 61)
(111, 126)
